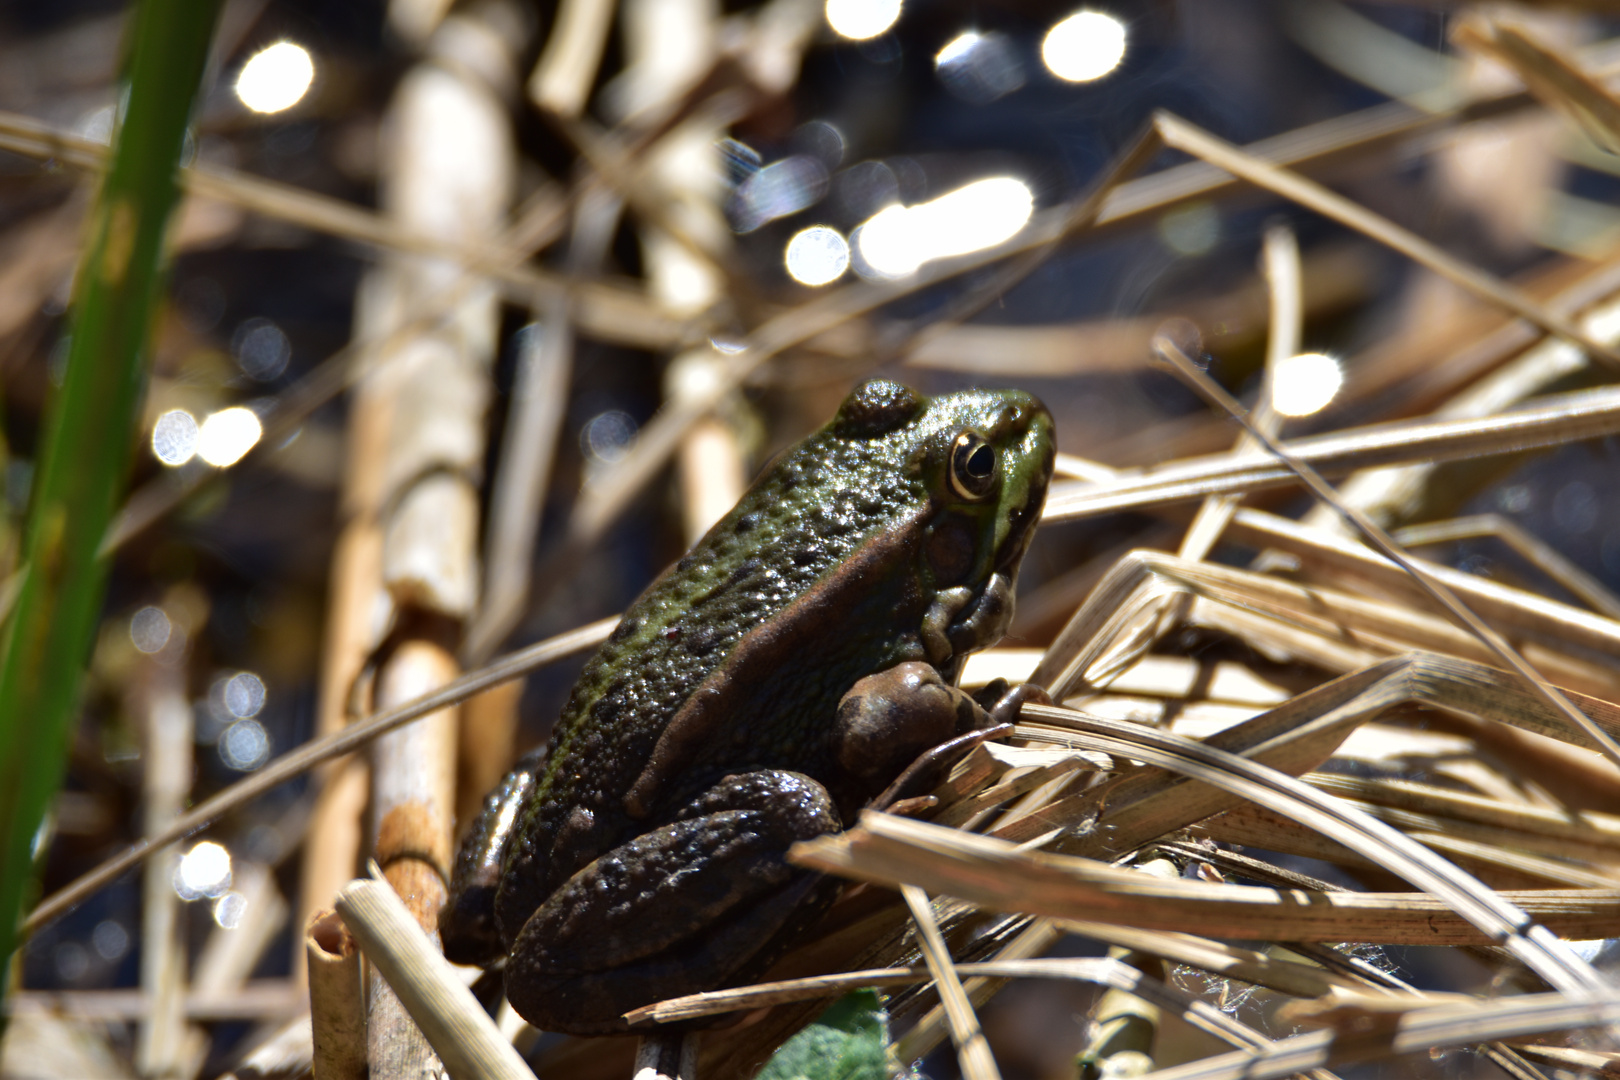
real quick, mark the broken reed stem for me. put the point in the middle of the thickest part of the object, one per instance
(666, 1057)
(336, 1002)
(412, 803)
(455, 1024)
(1379, 539)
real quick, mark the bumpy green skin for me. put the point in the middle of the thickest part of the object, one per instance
(734, 661)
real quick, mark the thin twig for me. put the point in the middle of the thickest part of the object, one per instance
(1313, 196)
(1536, 552)
(972, 1048)
(1280, 259)
(1547, 75)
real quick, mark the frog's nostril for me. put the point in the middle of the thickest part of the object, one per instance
(1019, 519)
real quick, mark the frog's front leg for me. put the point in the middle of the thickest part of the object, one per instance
(704, 901)
(889, 718)
(892, 723)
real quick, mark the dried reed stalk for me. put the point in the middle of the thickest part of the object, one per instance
(166, 1044)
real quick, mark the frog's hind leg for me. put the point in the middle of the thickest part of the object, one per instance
(697, 904)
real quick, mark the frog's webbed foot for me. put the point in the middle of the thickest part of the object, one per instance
(936, 641)
(986, 620)
(702, 902)
(960, 621)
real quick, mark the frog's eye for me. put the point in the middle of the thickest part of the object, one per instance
(973, 466)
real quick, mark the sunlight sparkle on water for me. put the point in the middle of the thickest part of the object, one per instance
(227, 435)
(205, 870)
(899, 239)
(1085, 46)
(817, 256)
(276, 78)
(958, 47)
(1304, 384)
(862, 19)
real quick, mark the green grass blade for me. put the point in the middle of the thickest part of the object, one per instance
(90, 432)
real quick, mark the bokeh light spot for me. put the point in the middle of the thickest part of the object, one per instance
(204, 871)
(149, 629)
(229, 910)
(174, 437)
(979, 68)
(817, 256)
(1575, 507)
(1304, 384)
(958, 47)
(607, 437)
(245, 745)
(779, 189)
(262, 349)
(227, 435)
(898, 239)
(276, 78)
(110, 939)
(1192, 229)
(244, 694)
(72, 961)
(1085, 46)
(862, 19)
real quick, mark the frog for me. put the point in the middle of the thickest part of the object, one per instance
(762, 691)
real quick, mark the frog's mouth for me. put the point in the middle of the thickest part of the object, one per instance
(1021, 521)
(979, 620)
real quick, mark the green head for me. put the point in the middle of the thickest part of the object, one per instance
(981, 461)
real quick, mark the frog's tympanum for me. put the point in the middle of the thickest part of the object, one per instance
(642, 855)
